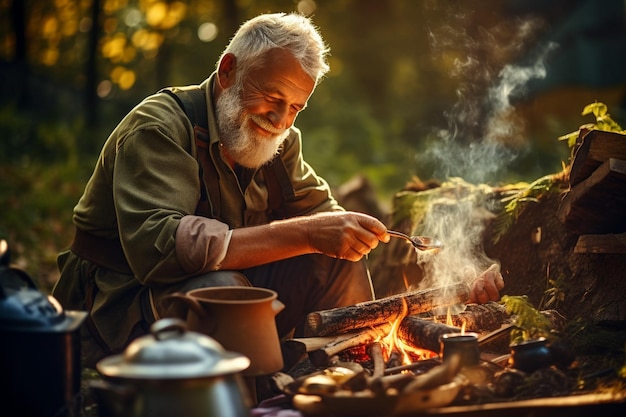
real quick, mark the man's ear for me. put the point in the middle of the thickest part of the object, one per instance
(226, 71)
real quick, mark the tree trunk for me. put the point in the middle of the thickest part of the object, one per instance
(18, 14)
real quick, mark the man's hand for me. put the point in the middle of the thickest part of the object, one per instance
(487, 286)
(345, 235)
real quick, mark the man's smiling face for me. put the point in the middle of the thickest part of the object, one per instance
(257, 108)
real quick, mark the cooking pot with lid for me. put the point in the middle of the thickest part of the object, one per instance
(39, 347)
(170, 372)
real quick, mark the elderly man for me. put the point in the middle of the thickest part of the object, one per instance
(167, 210)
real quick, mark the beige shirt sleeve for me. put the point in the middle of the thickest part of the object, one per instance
(201, 243)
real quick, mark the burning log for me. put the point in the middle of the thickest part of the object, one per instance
(384, 310)
(479, 317)
(422, 333)
(321, 356)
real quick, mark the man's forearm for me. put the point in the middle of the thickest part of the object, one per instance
(257, 245)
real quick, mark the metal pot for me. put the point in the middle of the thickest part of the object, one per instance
(39, 348)
(172, 371)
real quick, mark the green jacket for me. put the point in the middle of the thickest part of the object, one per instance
(144, 190)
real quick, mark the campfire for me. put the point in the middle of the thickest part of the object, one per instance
(391, 357)
(398, 355)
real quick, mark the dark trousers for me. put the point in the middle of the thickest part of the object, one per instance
(304, 284)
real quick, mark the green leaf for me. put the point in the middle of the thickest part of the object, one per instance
(527, 318)
(598, 109)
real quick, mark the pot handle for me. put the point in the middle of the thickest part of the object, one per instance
(209, 324)
(189, 301)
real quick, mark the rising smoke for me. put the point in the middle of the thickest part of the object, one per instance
(484, 135)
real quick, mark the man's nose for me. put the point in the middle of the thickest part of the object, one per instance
(280, 117)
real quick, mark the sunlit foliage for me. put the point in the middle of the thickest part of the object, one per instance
(405, 76)
(604, 121)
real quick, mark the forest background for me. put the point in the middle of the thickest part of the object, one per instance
(477, 89)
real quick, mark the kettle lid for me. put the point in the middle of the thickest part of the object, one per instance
(172, 352)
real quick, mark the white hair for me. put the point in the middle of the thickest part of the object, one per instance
(293, 32)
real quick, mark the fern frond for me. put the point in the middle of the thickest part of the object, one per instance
(527, 318)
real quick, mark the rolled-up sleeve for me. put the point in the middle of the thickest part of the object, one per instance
(201, 243)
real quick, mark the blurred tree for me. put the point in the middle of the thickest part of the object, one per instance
(91, 67)
(411, 87)
(401, 72)
(18, 18)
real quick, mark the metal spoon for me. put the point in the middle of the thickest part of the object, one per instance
(422, 243)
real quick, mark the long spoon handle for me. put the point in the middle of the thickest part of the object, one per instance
(402, 236)
(421, 243)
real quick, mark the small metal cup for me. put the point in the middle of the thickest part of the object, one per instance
(465, 344)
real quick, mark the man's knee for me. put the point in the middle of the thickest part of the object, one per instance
(213, 279)
(168, 304)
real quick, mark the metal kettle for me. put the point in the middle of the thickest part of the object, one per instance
(172, 371)
(40, 348)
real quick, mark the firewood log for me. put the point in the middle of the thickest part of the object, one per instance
(375, 352)
(479, 317)
(596, 147)
(384, 310)
(296, 349)
(321, 356)
(423, 334)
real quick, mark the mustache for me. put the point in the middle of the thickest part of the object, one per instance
(265, 124)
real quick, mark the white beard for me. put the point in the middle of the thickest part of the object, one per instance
(245, 146)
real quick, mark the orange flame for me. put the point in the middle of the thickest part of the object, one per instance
(393, 343)
(449, 317)
(449, 321)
